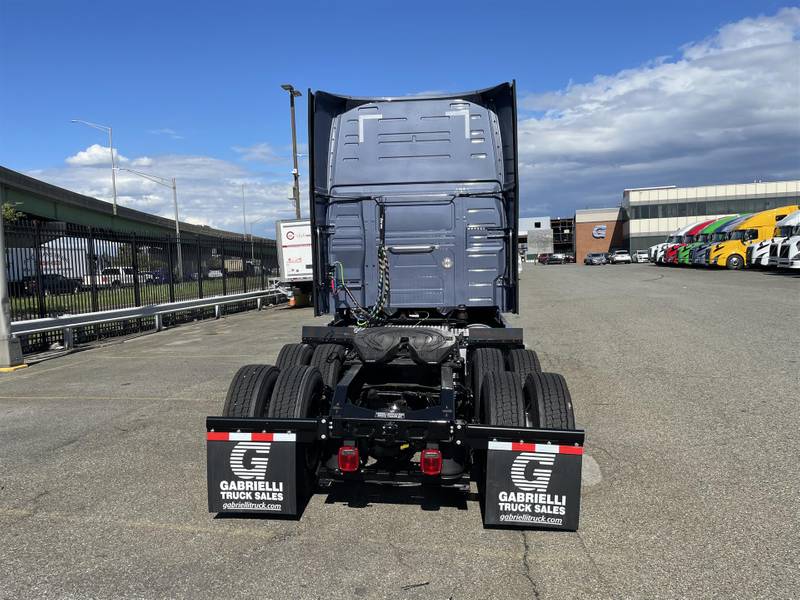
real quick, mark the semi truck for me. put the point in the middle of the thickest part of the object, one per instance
(765, 253)
(685, 253)
(658, 251)
(295, 259)
(732, 253)
(417, 377)
(671, 251)
(787, 254)
(700, 254)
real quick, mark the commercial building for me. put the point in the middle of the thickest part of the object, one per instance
(543, 235)
(598, 230)
(653, 213)
(563, 234)
(535, 236)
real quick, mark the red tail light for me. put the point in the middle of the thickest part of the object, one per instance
(430, 461)
(348, 459)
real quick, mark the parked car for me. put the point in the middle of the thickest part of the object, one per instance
(620, 257)
(542, 259)
(569, 257)
(640, 256)
(556, 259)
(160, 276)
(117, 277)
(53, 283)
(595, 258)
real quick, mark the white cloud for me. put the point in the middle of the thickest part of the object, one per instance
(94, 155)
(209, 189)
(166, 131)
(726, 110)
(424, 93)
(261, 152)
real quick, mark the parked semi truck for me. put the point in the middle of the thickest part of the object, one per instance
(759, 254)
(723, 233)
(685, 253)
(671, 251)
(786, 254)
(417, 378)
(658, 251)
(732, 253)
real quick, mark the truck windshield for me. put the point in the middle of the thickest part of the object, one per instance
(784, 231)
(688, 239)
(703, 237)
(738, 235)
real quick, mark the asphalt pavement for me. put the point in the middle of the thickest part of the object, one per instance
(685, 380)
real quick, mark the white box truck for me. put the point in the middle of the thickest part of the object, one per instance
(295, 258)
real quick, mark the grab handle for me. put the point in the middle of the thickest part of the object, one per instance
(412, 249)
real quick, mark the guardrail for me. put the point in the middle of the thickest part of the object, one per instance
(69, 322)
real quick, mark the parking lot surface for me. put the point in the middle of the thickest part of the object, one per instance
(686, 381)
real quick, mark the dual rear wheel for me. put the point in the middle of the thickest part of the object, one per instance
(520, 396)
(296, 387)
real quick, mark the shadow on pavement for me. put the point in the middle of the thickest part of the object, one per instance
(362, 495)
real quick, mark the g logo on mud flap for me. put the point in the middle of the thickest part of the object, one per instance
(539, 477)
(258, 460)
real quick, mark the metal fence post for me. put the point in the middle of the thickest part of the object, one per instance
(69, 338)
(40, 298)
(137, 292)
(171, 265)
(261, 262)
(199, 272)
(93, 270)
(10, 347)
(244, 268)
(224, 270)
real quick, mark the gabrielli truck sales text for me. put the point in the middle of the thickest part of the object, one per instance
(548, 504)
(251, 490)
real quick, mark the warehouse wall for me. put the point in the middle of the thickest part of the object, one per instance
(585, 242)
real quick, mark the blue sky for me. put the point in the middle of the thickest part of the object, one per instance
(614, 94)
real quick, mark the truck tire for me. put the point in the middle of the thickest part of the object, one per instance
(503, 398)
(297, 393)
(549, 402)
(294, 354)
(735, 262)
(250, 391)
(523, 362)
(484, 360)
(328, 358)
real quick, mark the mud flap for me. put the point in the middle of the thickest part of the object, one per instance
(252, 472)
(533, 485)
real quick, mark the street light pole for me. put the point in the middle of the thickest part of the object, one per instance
(293, 93)
(170, 183)
(113, 169)
(108, 130)
(177, 229)
(252, 242)
(244, 215)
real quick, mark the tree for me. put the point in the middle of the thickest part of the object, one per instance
(11, 214)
